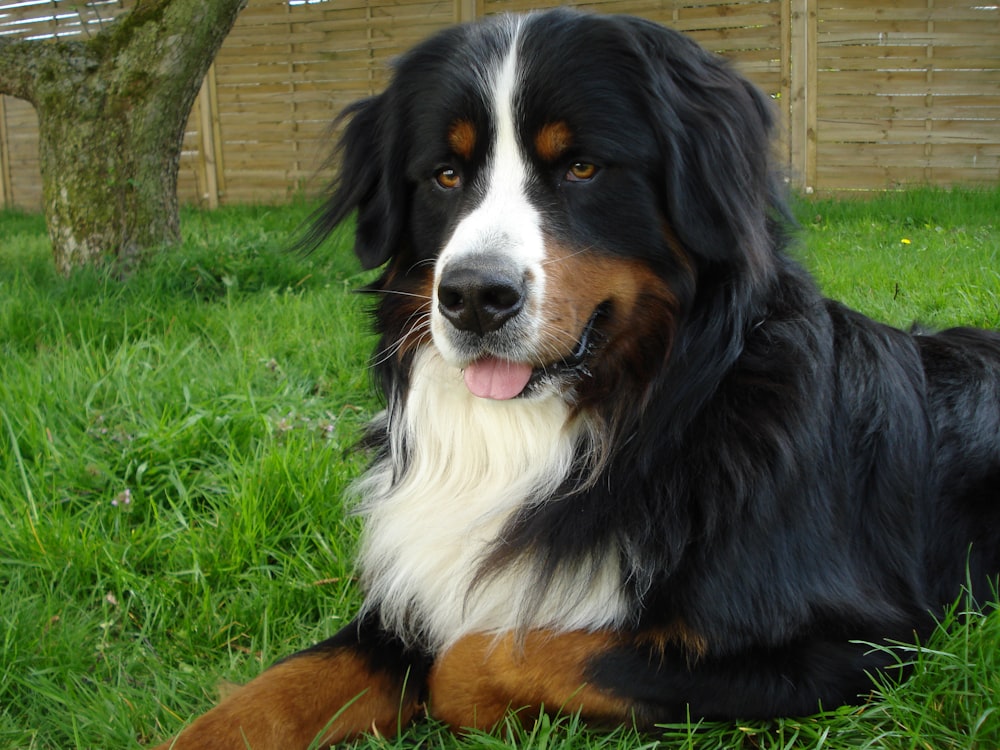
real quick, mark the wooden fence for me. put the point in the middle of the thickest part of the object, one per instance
(872, 96)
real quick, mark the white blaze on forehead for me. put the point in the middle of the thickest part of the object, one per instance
(505, 221)
(506, 203)
(504, 224)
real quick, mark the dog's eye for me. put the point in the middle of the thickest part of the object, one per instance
(581, 171)
(448, 178)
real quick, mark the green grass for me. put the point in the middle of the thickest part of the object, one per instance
(930, 255)
(218, 391)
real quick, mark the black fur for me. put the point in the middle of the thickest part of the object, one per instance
(785, 477)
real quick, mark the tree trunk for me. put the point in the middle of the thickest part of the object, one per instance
(112, 111)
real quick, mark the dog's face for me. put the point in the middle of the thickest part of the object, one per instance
(534, 207)
(546, 191)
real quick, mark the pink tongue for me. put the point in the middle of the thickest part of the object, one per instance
(497, 378)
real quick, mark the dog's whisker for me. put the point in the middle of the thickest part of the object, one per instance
(401, 293)
(563, 258)
(413, 330)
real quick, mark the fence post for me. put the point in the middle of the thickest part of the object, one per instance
(802, 54)
(6, 186)
(211, 136)
(467, 10)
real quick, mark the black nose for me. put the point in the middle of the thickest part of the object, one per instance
(480, 294)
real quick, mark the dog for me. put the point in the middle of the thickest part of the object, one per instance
(632, 463)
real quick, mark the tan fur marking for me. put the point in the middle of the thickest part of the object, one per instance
(295, 702)
(477, 680)
(578, 282)
(553, 140)
(462, 138)
(677, 634)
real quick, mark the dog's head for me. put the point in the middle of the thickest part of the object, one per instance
(548, 193)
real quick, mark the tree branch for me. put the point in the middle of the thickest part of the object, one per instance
(26, 62)
(22, 61)
(17, 67)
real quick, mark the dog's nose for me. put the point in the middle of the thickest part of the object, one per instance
(480, 295)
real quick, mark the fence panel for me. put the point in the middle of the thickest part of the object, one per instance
(908, 92)
(284, 74)
(20, 182)
(871, 97)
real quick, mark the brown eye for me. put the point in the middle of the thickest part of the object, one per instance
(581, 171)
(448, 178)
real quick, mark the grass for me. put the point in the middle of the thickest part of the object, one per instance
(924, 255)
(174, 450)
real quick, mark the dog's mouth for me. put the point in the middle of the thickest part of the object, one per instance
(500, 379)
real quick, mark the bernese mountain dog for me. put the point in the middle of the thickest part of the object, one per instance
(632, 463)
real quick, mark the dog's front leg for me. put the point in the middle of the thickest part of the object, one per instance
(360, 680)
(477, 680)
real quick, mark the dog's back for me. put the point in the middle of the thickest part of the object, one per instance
(962, 367)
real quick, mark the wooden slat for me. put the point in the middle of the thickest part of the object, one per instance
(920, 13)
(826, 6)
(211, 139)
(6, 188)
(907, 131)
(883, 156)
(893, 35)
(915, 83)
(861, 108)
(921, 63)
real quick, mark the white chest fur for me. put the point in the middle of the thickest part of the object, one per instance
(471, 464)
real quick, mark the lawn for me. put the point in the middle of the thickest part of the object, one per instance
(174, 450)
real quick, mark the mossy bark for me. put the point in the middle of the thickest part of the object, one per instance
(112, 111)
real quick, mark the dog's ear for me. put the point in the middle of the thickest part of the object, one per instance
(367, 181)
(720, 193)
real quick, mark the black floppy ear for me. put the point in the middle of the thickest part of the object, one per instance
(367, 181)
(721, 194)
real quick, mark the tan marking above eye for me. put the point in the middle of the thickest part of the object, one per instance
(553, 140)
(581, 171)
(448, 178)
(462, 138)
